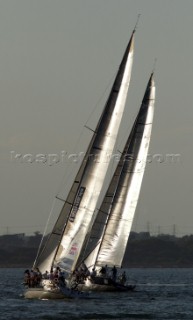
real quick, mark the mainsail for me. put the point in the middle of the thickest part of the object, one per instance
(111, 229)
(78, 212)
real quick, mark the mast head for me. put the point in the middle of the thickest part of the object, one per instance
(131, 42)
(150, 89)
(151, 80)
(135, 28)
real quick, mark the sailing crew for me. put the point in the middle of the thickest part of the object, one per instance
(61, 279)
(103, 271)
(27, 278)
(114, 273)
(51, 275)
(56, 273)
(32, 278)
(38, 276)
(93, 273)
(45, 275)
(83, 272)
(123, 278)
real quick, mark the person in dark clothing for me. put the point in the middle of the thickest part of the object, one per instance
(114, 273)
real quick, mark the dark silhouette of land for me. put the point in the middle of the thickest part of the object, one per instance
(143, 250)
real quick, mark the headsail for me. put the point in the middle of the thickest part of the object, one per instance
(78, 212)
(111, 229)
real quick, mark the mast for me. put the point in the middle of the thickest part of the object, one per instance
(78, 212)
(111, 229)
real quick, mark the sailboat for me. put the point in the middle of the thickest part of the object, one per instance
(66, 241)
(110, 231)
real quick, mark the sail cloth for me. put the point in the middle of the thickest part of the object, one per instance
(111, 229)
(78, 213)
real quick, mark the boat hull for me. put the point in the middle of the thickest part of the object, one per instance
(41, 293)
(104, 284)
(49, 290)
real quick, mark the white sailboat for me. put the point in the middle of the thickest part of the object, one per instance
(65, 243)
(110, 232)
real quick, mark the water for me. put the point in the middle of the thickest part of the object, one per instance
(160, 294)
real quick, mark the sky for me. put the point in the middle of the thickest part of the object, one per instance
(57, 63)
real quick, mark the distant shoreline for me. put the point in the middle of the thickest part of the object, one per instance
(143, 251)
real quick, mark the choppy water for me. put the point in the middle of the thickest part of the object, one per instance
(160, 294)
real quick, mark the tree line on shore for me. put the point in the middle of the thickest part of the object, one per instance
(143, 250)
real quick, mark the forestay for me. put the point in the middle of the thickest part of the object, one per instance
(78, 213)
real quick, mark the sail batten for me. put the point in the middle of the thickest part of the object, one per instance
(75, 221)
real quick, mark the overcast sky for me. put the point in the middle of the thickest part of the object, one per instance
(57, 60)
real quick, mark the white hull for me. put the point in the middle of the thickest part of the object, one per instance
(41, 293)
(50, 291)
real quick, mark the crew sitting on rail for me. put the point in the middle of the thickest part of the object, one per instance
(114, 273)
(32, 278)
(93, 273)
(123, 278)
(103, 271)
(27, 278)
(61, 279)
(45, 275)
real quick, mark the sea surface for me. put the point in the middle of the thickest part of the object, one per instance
(160, 294)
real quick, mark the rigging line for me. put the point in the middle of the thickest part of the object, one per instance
(135, 116)
(90, 129)
(118, 136)
(61, 236)
(100, 99)
(108, 85)
(137, 22)
(69, 171)
(84, 257)
(67, 220)
(128, 129)
(46, 227)
(154, 65)
(70, 167)
(66, 178)
(109, 213)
